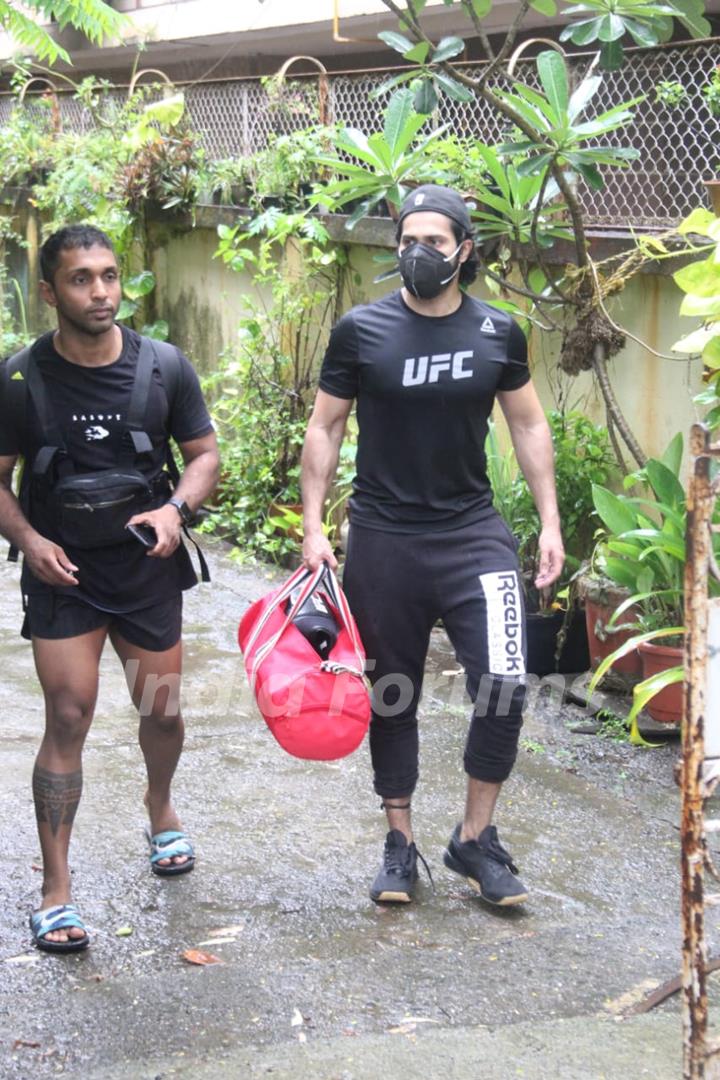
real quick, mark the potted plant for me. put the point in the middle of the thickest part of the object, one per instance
(643, 551)
(283, 173)
(602, 597)
(227, 182)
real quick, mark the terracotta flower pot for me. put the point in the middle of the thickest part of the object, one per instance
(667, 705)
(597, 616)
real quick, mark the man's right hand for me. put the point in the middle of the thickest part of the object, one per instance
(49, 562)
(317, 549)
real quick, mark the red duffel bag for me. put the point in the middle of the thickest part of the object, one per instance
(317, 708)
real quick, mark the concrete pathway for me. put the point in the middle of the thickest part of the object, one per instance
(316, 981)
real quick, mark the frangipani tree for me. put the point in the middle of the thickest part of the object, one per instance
(557, 142)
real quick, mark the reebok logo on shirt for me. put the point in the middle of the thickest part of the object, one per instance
(487, 326)
(428, 369)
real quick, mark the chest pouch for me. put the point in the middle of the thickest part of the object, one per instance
(91, 509)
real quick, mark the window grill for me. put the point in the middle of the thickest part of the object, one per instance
(679, 147)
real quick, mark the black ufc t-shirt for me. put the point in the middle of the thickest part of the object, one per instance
(90, 406)
(425, 388)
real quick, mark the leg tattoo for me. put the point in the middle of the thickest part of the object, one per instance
(56, 796)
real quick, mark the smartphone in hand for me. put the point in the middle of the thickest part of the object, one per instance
(144, 533)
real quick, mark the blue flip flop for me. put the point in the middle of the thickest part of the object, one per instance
(60, 917)
(166, 845)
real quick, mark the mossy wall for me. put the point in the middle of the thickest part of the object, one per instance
(203, 300)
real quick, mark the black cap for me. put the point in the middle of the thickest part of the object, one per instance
(441, 200)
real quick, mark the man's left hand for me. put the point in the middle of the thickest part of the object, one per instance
(551, 556)
(167, 524)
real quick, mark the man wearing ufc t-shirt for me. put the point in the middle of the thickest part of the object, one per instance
(76, 597)
(425, 365)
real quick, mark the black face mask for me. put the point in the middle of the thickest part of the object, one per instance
(426, 271)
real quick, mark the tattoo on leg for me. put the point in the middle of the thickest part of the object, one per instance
(56, 796)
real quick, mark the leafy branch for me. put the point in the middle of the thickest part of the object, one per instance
(93, 18)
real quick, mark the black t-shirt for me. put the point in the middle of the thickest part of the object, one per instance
(90, 406)
(425, 388)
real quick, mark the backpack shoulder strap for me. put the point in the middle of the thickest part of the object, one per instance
(168, 363)
(16, 386)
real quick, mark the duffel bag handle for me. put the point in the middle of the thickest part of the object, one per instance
(309, 581)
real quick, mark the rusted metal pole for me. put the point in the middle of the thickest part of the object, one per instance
(694, 956)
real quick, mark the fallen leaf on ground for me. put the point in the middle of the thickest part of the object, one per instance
(402, 1029)
(217, 941)
(123, 931)
(297, 1018)
(194, 956)
(24, 958)
(37, 867)
(419, 1020)
(458, 671)
(23, 1042)
(225, 931)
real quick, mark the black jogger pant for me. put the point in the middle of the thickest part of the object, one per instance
(398, 586)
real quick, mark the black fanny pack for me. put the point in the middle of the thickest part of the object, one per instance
(92, 509)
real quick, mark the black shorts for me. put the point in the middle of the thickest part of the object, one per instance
(55, 616)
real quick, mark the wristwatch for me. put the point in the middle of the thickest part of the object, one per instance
(183, 509)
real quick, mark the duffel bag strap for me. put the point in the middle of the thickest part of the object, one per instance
(340, 601)
(283, 593)
(312, 581)
(308, 582)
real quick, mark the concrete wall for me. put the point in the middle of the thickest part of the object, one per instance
(202, 301)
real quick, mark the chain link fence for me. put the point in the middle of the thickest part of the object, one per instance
(678, 146)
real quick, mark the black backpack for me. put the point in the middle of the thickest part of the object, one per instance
(92, 508)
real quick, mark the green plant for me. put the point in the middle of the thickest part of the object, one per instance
(670, 93)
(26, 142)
(643, 549)
(582, 458)
(390, 160)
(711, 93)
(287, 165)
(261, 393)
(556, 116)
(94, 18)
(648, 24)
(291, 100)
(612, 726)
(551, 135)
(227, 181)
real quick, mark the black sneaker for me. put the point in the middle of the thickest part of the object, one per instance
(487, 866)
(397, 877)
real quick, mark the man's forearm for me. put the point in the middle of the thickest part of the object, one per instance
(536, 458)
(14, 526)
(199, 479)
(319, 462)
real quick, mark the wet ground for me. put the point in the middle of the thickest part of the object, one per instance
(316, 981)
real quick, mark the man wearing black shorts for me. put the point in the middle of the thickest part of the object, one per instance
(76, 597)
(426, 364)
